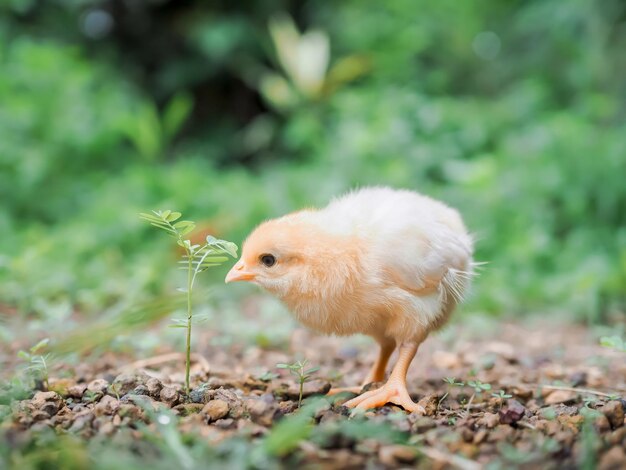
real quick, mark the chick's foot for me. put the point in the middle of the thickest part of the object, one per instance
(392, 392)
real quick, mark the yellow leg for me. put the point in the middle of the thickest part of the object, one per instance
(394, 391)
(377, 372)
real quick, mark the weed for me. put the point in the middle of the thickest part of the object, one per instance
(299, 370)
(267, 376)
(37, 363)
(451, 381)
(479, 387)
(501, 394)
(197, 258)
(614, 342)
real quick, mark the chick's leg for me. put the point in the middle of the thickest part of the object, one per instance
(394, 391)
(377, 372)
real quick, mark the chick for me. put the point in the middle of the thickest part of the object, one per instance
(391, 264)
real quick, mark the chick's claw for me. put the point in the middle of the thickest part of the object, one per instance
(391, 392)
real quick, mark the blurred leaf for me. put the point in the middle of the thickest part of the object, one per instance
(175, 113)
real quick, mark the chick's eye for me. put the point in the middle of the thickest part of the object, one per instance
(268, 260)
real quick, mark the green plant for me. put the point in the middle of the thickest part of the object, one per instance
(502, 395)
(267, 376)
(37, 363)
(479, 387)
(196, 259)
(298, 369)
(614, 342)
(451, 381)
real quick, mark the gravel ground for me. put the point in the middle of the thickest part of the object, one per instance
(523, 397)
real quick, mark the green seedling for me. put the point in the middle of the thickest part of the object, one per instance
(479, 387)
(267, 376)
(451, 381)
(613, 342)
(37, 363)
(196, 259)
(502, 395)
(298, 369)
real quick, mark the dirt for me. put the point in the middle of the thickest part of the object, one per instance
(550, 397)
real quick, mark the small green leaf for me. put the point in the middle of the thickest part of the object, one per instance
(172, 216)
(40, 345)
(23, 355)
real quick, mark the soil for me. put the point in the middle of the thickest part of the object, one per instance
(554, 399)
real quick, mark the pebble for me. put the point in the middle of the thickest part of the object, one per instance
(560, 396)
(82, 421)
(123, 384)
(98, 386)
(489, 420)
(107, 406)
(423, 424)
(393, 455)
(46, 402)
(601, 423)
(614, 459)
(142, 390)
(77, 391)
(614, 411)
(187, 409)
(512, 412)
(216, 409)
(170, 396)
(154, 387)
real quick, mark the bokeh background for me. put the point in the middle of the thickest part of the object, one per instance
(233, 112)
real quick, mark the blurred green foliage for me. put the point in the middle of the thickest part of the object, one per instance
(233, 112)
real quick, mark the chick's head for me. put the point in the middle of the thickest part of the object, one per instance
(273, 257)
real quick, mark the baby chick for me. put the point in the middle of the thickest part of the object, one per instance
(391, 264)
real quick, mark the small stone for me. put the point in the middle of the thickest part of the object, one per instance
(132, 412)
(617, 437)
(227, 423)
(512, 412)
(394, 455)
(578, 378)
(197, 395)
(154, 387)
(107, 406)
(614, 459)
(61, 386)
(574, 423)
(614, 411)
(98, 386)
(40, 415)
(216, 409)
(46, 402)
(188, 409)
(489, 420)
(77, 391)
(123, 384)
(82, 422)
(107, 429)
(602, 424)
(169, 395)
(142, 390)
(560, 396)
(423, 424)
(260, 412)
(480, 436)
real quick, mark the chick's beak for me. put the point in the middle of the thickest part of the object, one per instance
(239, 273)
